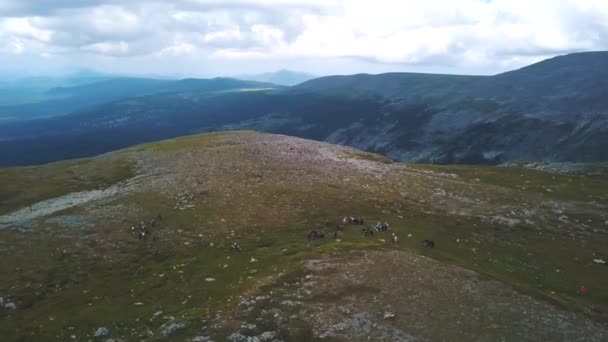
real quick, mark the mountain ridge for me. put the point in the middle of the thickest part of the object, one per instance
(556, 110)
(282, 77)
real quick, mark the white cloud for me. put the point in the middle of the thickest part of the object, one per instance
(17, 47)
(453, 35)
(108, 48)
(223, 37)
(177, 49)
(26, 28)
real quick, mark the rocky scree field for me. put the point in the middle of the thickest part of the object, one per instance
(513, 246)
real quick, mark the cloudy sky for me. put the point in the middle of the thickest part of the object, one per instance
(213, 37)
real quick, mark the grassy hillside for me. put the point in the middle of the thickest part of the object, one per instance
(512, 246)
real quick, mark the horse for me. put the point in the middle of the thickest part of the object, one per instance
(428, 244)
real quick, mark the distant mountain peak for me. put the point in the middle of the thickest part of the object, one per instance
(282, 77)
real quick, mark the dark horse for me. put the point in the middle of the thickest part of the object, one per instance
(428, 244)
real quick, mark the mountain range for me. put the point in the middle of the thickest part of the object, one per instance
(555, 110)
(281, 77)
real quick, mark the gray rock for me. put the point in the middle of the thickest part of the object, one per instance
(248, 326)
(173, 327)
(101, 331)
(359, 325)
(237, 337)
(389, 315)
(268, 335)
(290, 302)
(10, 305)
(343, 309)
(202, 339)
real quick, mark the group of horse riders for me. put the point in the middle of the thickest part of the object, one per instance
(314, 234)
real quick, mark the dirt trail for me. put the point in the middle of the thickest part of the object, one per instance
(47, 207)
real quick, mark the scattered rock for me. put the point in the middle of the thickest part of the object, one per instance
(344, 310)
(172, 328)
(440, 193)
(248, 326)
(268, 335)
(599, 261)
(359, 324)
(101, 331)
(389, 315)
(253, 260)
(509, 221)
(237, 337)
(209, 279)
(247, 302)
(184, 200)
(201, 339)
(290, 302)
(10, 305)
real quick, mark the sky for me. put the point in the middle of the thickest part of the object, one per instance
(200, 38)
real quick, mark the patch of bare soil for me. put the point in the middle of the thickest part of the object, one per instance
(47, 207)
(390, 295)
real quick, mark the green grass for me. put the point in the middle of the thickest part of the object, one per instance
(207, 140)
(576, 187)
(371, 157)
